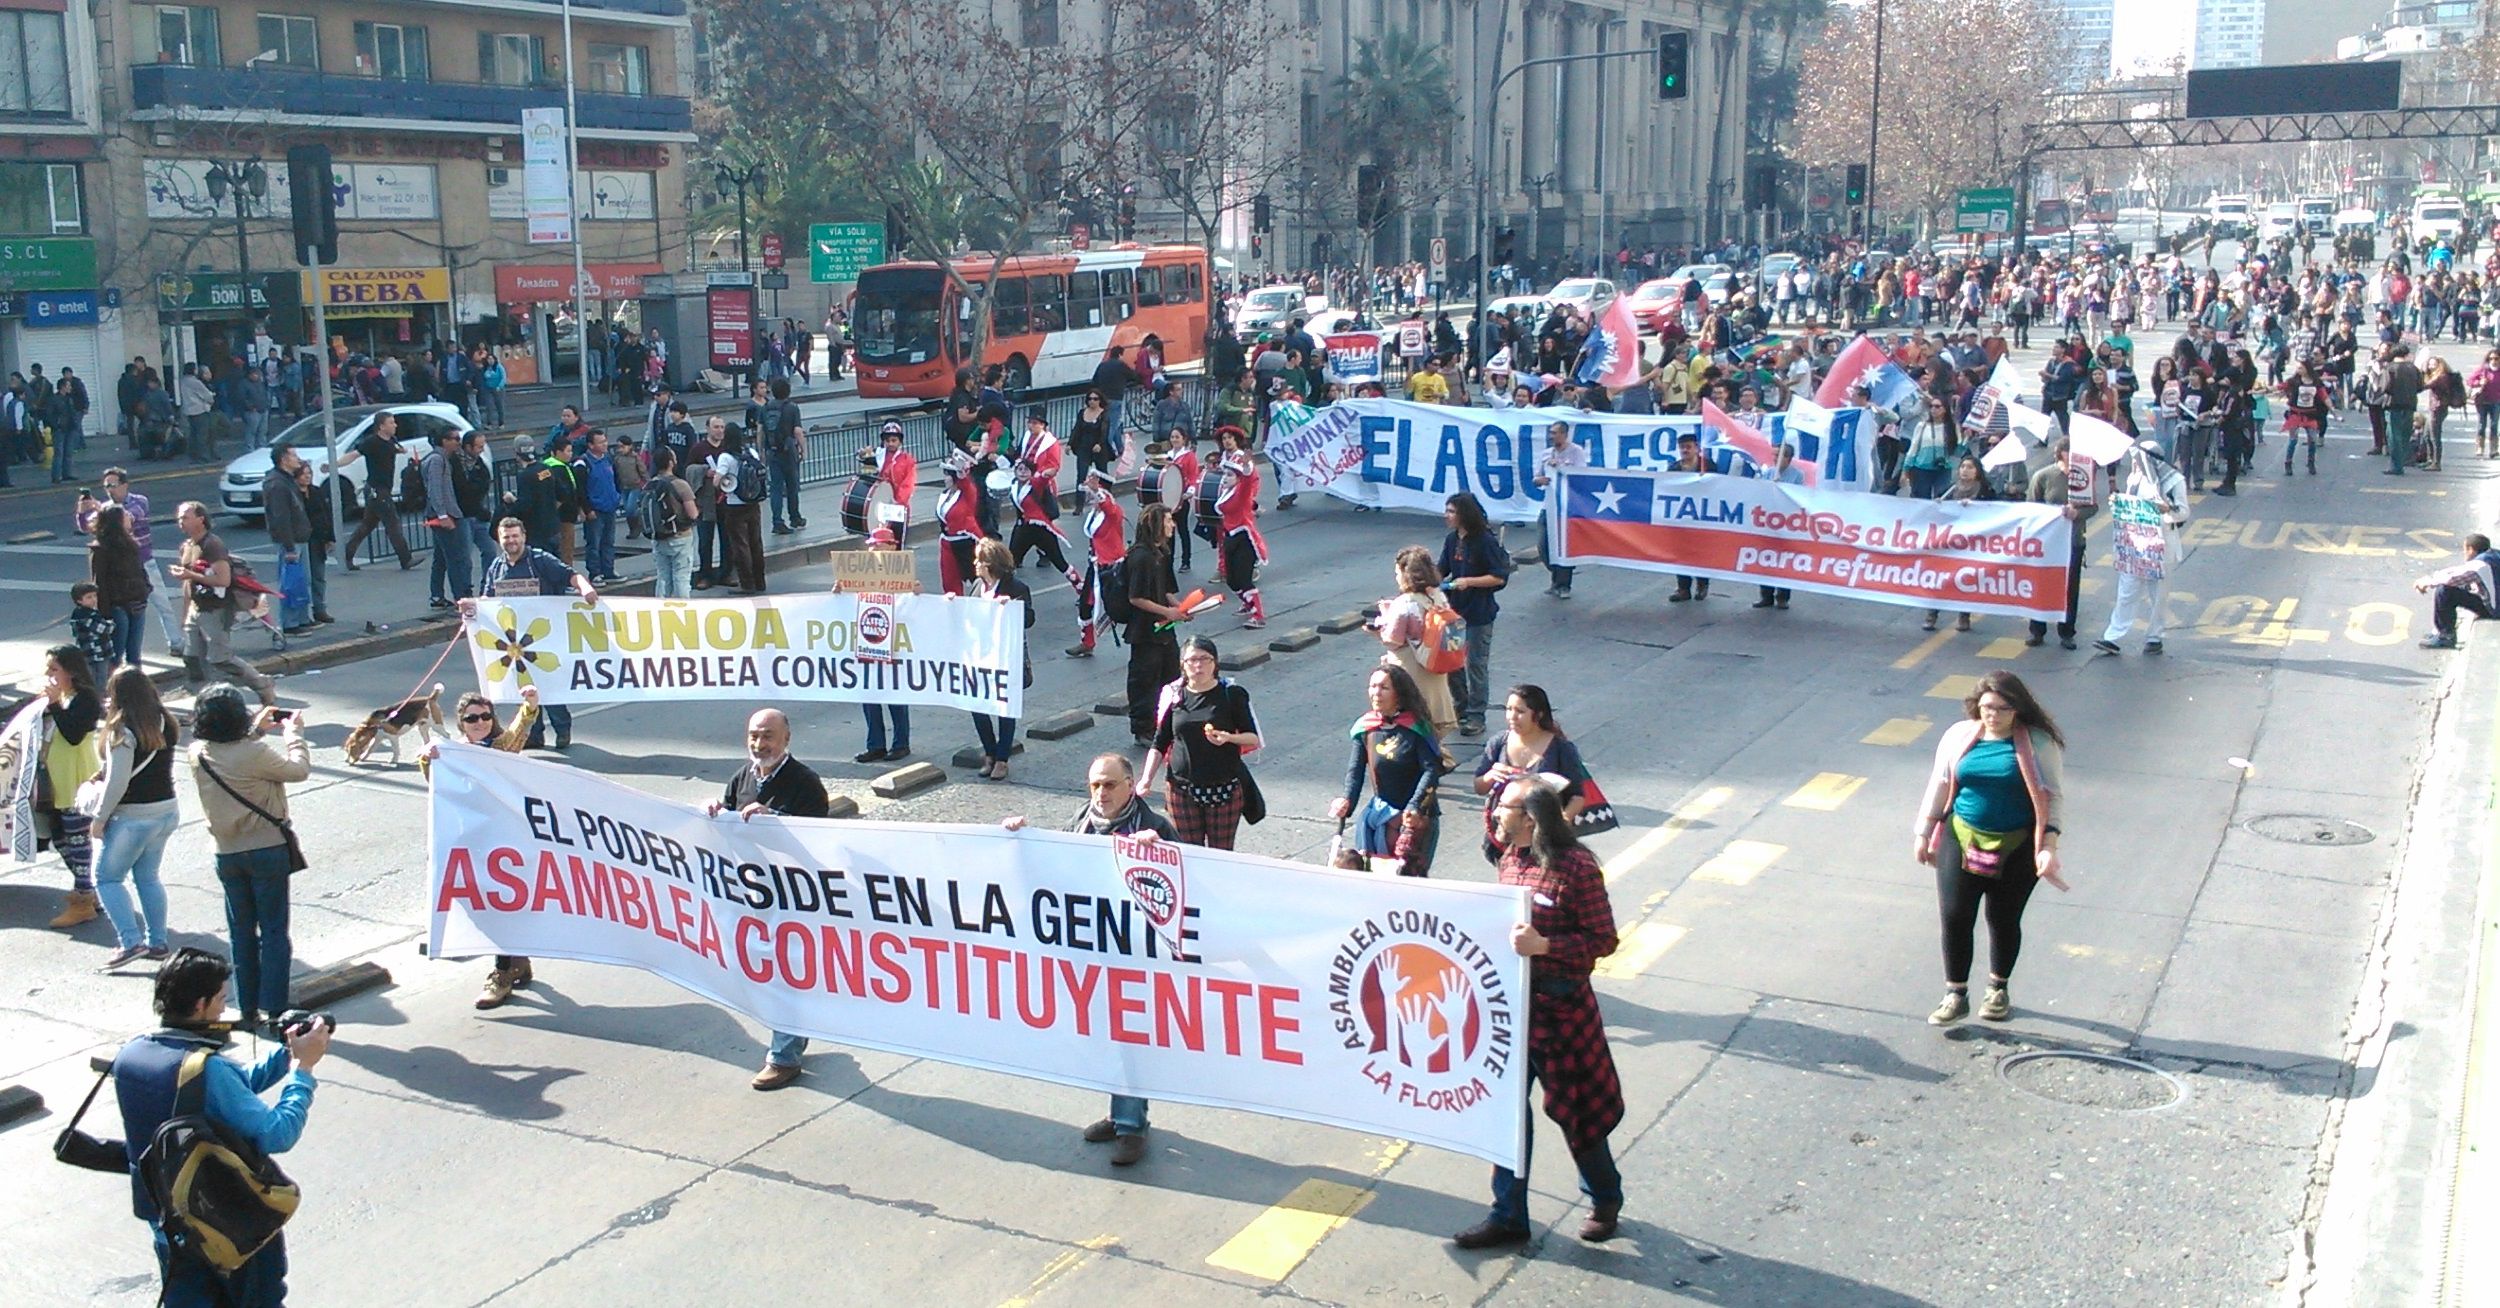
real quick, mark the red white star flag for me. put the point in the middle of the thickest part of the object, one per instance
(1740, 437)
(1860, 357)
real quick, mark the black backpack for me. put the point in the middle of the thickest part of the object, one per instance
(411, 486)
(218, 1197)
(1115, 605)
(659, 509)
(750, 487)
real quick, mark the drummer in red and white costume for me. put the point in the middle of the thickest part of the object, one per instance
(1038, 459)
(1106, 543)
(899, 471)
(1242, 548)
(959, 522)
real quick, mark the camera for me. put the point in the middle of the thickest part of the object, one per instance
(296, 1022)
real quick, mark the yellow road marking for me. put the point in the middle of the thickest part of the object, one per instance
(1740, 862)
(1924, 648)
(1639, 947)
(1826, 792)
(1058, 1267)
(1276, 1241)
(2386, 490)
(2377, 623)
(2092, 585)
(1897, 731)
(2003, 648)
(1692, 811)
(1953, 687)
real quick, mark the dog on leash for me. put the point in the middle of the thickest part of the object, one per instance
(394, 722)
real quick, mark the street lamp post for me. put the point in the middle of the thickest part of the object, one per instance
(1536, 187)
(1874, 126)
(738, 179)
(240, 180)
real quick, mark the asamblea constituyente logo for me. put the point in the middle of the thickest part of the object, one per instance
(1427, 1007)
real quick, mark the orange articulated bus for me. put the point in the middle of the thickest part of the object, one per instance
(1053, 317)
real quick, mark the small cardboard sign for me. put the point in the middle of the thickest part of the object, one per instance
(890, 572)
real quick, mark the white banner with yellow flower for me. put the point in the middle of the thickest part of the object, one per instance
(944, 650)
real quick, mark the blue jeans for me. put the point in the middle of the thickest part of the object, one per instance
(783, 489)
(998, 735)
(256, 921)
(877, 715)
(490, 407)
(674, 557)
(786, 1050)
(1472, 689)
(451, 564)
(557, 716)
(1128, 1114)
(128, 625)
(482, 539)
(65, 439)
(1599, 1178)
(133, 847)
(190, 1283)
(2399, 439)
(599, 543)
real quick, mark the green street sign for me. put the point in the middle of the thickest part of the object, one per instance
(223, 292)
(1985, 211)
(836, 252)
(47, 263)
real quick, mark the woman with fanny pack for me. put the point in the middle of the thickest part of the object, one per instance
(1988, 825)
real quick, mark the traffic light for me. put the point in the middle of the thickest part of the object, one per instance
(1675, 53)
(1763, 190)
(1371, 196)
(1505, 244)
(1258, 245)
(1262, 214)
(1853, 188)
(1128, 219)
(315, 205)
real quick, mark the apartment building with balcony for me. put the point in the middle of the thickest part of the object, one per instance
(420, 103)
(53, 306)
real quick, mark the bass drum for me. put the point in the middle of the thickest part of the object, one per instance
(1161, 484)
(1210, 486)
(860, 502)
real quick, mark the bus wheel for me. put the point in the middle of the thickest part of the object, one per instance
(1019, 374)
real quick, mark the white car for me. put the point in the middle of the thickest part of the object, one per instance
(238, 489)
(1589, 294)
(1273, 308)
(2281, 222)
(1718, 281)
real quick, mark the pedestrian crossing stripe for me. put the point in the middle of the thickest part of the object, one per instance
(1897, 731)
(1953, 687)
(1826, 792)
(2002, 649)
(1638, 948)
(1740, 862)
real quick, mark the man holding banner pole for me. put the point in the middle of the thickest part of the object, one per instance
(1114, 808)
(773, 783)
(1560, 452)
(520, 570)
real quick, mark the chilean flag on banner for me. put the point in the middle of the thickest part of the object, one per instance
(1862, 356)
(1748, 440)
(1612, 356)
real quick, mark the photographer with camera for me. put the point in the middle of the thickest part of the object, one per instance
(241, 781)
(149, 1082)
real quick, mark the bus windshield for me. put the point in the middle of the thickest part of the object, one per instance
(895, 316)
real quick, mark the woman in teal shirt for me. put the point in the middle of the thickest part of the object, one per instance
(1989, 827)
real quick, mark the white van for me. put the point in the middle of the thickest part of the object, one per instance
(2229, 214)
(2438, 213)
(2317, 214)
(2280, 222)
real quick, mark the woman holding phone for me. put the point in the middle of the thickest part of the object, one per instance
(1203, 728)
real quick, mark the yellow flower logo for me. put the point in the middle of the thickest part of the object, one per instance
(513, 649)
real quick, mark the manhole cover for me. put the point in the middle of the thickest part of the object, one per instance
(2089, 1080)
(2309, 829)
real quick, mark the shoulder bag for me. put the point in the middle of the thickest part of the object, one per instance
(295, 861)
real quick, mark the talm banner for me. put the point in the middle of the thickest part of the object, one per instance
(1977, 557)
(1395, 454)
(942, 650)
(1390, 1005)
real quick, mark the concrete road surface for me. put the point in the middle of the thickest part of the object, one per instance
(1798, 1134)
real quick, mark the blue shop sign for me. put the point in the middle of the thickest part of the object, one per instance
(60, 308)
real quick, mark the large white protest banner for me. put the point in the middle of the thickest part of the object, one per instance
(943, 650)
(1382, 1004)
(1394, 454)
(1977, 557)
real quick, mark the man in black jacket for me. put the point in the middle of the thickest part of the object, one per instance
(289, 522)
(1114, 808)
(775, 783)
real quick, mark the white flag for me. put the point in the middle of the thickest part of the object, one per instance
(2096, 439)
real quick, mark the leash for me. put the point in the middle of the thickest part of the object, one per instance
(415, 692)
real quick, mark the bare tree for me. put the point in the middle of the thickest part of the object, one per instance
(1956, 70)
(1007, 109)
(1212, 107)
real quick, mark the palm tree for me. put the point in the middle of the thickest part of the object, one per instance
(1401, 103)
